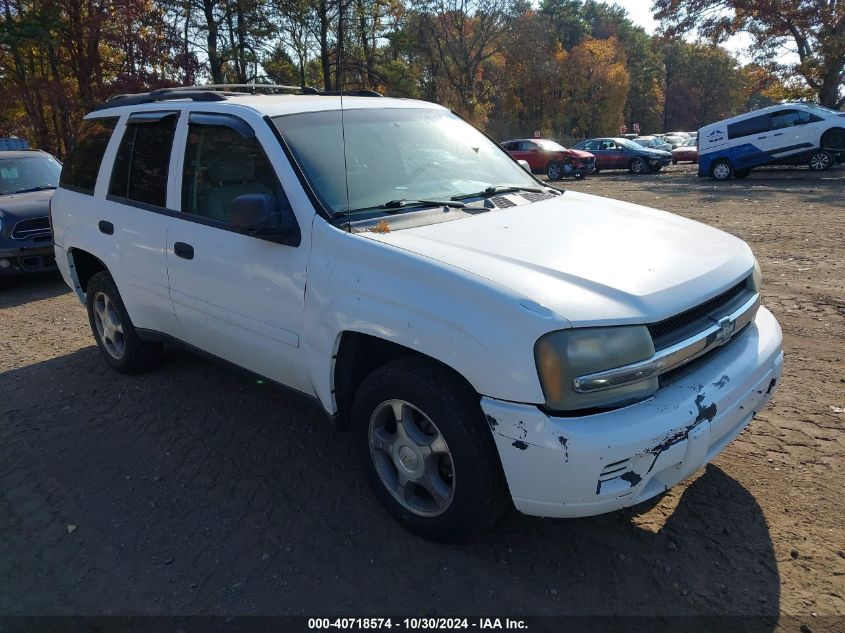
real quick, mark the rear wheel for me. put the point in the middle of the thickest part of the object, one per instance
(820, 160)
(722, 170)
(554, 170)
(638, 166)
(426, 450)
(113, 330)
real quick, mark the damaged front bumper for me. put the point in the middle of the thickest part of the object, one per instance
(582, 466)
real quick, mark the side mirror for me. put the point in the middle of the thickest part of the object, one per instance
(256, 214)
(524, 164)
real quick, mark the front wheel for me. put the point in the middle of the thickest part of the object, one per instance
(722, 170)
(820, 161)
(554, 170)
(638, 166)
(426, 451)
(113, 330)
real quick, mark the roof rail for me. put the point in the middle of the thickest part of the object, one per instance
(219, 92)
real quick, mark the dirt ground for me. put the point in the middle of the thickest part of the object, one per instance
(196, 490)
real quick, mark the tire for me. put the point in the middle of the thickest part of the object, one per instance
(674, 162)
(434, 405)
(834, 139)
(722, 170)
(638, 166)
(820, 161)
(742, 173)
(113, 330)
(554, 170)
(656, 169)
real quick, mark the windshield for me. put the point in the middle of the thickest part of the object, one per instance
(624, 142)
(28, 174)
(395, 154)
(551, 146)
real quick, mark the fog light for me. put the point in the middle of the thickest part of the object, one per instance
(5, 263)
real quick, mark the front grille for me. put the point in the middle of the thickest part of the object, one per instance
(37, 228)
(676, 328)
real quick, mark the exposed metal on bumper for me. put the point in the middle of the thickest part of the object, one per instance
(582, 466)
(665, 360)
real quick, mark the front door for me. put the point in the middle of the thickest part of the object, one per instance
(238, 297)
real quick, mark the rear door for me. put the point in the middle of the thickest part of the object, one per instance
(596, 148)
(238, 297)
(134, 218)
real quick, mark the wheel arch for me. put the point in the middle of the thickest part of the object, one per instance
(83, 265)
(828, 132)
(357, 356)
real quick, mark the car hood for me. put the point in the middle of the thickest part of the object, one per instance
(588, 259)
(22, 206)
(577, 153)
(659, 153)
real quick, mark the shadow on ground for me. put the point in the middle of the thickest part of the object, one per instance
(195, 490)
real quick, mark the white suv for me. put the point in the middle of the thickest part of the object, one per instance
(485, 338)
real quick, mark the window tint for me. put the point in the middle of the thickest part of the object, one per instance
(221, 165)
(82, 164)
(789, 118)
(143, 159)
(754, 125)
(511, 147)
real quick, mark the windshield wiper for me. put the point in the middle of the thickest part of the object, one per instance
(403, 203)
(38, 188)
(492, 191)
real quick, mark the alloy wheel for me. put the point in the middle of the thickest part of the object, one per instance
(819, 161)
(412, 458)
(109, 326)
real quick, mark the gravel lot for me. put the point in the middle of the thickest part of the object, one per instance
(196, 490)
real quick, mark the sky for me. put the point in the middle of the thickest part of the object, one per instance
(640, 13)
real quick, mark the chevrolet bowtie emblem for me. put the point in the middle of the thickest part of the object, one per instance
(725, 331)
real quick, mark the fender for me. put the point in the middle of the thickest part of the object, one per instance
(356, 284)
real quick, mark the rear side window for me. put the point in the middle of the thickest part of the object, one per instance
(143, 159)
(80, 169)
(754, 125)
(223, 162)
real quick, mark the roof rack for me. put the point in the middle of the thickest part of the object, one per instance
(220, 92)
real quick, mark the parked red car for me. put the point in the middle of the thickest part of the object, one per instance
(686, 153)
(550, 158)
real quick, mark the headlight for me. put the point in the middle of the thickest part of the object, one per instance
(564, 355)
(756, 279)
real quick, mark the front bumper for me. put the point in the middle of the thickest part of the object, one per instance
(658, 162)
(24, 259)
(582, 466)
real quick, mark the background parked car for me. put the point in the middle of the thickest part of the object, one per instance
(27, 182)
(653, 142)
(620, 153)
(686, 153)
(551, 158)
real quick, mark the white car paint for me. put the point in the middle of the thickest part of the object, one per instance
(475, 293)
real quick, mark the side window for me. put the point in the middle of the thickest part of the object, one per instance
(222, 162)
(143, 158)
(786, 118)
(590, 146)
(511, 147)
(80, 169)
(747, 127)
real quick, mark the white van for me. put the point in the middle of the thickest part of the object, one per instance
(733, 147)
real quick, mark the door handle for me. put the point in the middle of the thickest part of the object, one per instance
(778, 134)
(761, 137)
(106, 227)
(185, 251)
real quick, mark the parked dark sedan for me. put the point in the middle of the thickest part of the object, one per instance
(621, 153)
(27, 181)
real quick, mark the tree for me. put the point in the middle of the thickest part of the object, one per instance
(595, 86)
(816, 28)
(459, 36)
